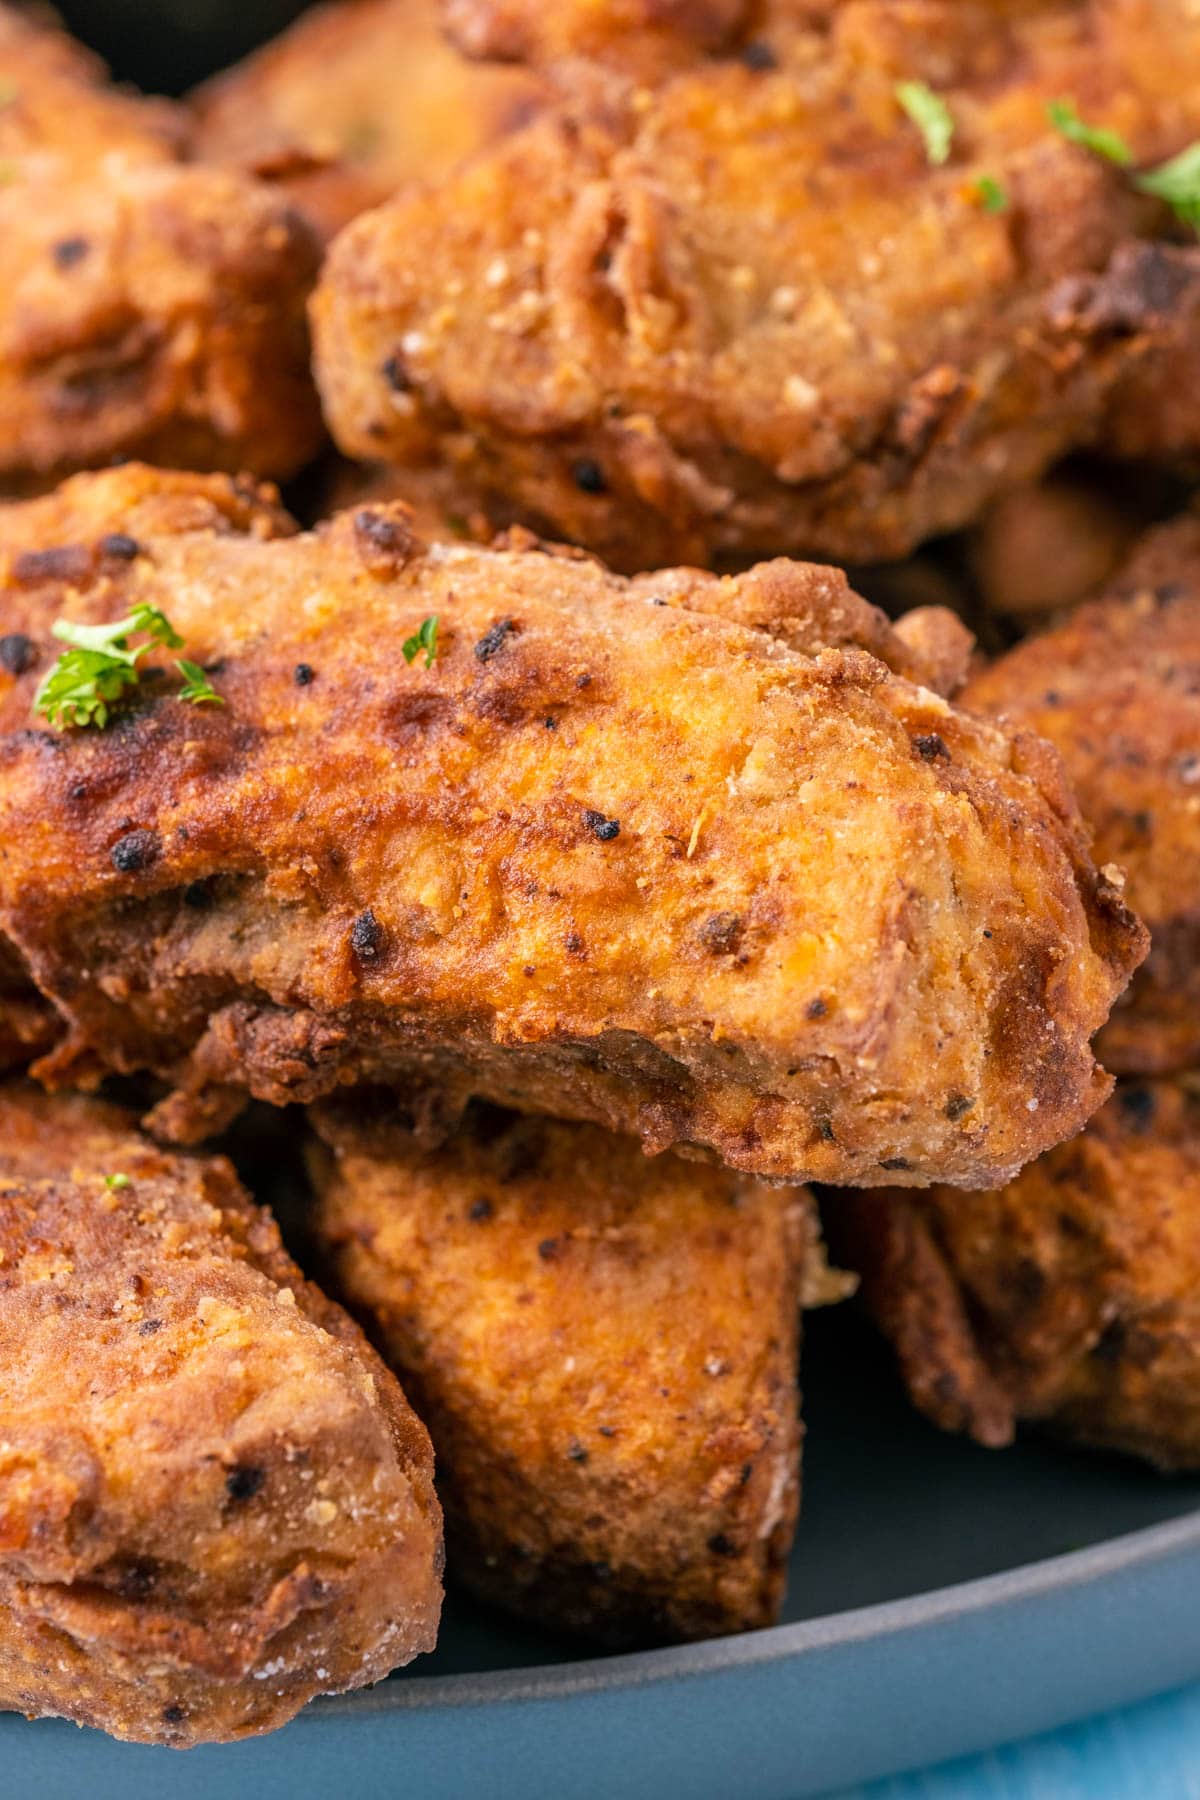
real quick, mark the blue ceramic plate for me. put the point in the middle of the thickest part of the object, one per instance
(943, 1599)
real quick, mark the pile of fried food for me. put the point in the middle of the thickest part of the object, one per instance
(588, 876)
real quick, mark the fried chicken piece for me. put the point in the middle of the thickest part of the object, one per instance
(356, 100)
(740, 312)
(676, 868)
(147, 308)
(215, 1501)
(605, 1349)
(1067, 1297)
(1116, 688)
(1052, 543)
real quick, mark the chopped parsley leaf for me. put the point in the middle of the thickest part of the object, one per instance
(1178, 183)
(196, 686)
(424, 638)
(930, 114)
(1064, 116)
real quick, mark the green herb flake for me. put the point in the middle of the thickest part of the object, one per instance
(1178, 183)
(931, 116)
(424, 638)
(196, 686)
(101, 667)
(992, 197)
(1064, 116)
(114, 1183)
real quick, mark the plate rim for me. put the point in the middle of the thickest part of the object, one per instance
(775, 1643)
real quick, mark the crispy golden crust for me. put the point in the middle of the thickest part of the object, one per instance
(639, 863)
(214, 1499)
(157, 313)
(634, 321)
(643, 37)
(605, 1350)
(145, 308)
(1116, 688)
(1068, 1297)
(355, 101)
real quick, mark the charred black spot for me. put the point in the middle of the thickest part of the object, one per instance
(816, 1009)
(244, 1481)
(825, 1131)
(720, 1545)
(302, 674)
(135, 852)
(957, 1107)
(607, 1431)
(136, 1580)
(550, 724)
(575, 944)
(481, 1212)
(395, 373)
(601, 827)
(588, 476)
(759, 57)
(148, 1327)
(493, 640)
(367, 937)
(931, 747)
(1138, 1107)
(120, 546)
(722, 934)
(1143, 823)
(16, 652)
(174, 1714)
(576, 1452)
(895, 1162)
(69, 251)
(550, 1249)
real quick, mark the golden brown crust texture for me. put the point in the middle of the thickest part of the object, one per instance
(1068, 1297)
(1116, 688)
(637, 323)
(146, 308)
(357, 100)
(605, 1350)
(646, 37)
(620, 854)
(215, 1501)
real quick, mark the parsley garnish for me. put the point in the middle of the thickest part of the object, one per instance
(114, 1183)
(992, 196)
(1064, 117)
(1178, 183)
(102, 665)
(930, 114)
(196, 686)
(424, 638)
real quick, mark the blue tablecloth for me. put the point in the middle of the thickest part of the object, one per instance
(1149, 1752)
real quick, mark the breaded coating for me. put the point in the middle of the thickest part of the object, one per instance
(215, 1501)
(1052, 543)
(647, 853)
(356, 100)
(1116, 688)
(1068, 1297)
(604, 1347)
(646, 37)
(146, 308)
(741, 312)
